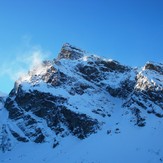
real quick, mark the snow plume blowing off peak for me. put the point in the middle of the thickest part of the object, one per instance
(18, 68)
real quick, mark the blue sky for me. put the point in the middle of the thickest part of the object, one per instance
(130, 31)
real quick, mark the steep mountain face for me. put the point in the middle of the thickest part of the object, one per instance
(148, 93)
(5, 141)
(76, 95)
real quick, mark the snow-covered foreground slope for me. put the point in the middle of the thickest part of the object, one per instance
(83, 108)
(128, 144)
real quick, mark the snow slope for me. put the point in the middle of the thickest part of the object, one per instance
(129, 144)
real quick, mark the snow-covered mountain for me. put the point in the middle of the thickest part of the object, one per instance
(84, 108)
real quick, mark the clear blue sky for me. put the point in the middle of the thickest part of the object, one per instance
(130, 31)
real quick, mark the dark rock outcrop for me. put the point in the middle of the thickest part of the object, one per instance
(125, 88)
(155, 67)
(50, 108)
(70, 52)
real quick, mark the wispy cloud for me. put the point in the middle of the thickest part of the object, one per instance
(28, 57)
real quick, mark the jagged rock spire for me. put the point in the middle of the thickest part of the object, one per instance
(70, 52)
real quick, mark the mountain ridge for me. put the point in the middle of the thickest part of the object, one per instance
(78, 96)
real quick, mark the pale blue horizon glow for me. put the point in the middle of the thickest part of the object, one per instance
(128, 31)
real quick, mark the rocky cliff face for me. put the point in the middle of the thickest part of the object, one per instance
(148, 93)
(75, 94)
(5, 140)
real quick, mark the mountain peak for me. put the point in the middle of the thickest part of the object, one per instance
(70, 52)
(158, 67)
(84, 96)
